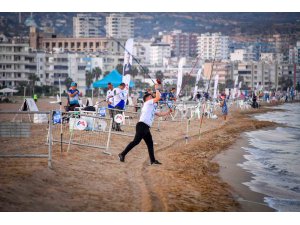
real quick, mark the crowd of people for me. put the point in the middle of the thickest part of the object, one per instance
(117, 98)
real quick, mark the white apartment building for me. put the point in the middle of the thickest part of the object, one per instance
(85, 25)
(141, 50)
(16, 63)
(294, 54)
(212, 46)
(158, 52)
(242, 55)
(119, 26)
(265, 74)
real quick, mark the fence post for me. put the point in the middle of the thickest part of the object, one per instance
(50, 141)
(108, 139)
(187, 131)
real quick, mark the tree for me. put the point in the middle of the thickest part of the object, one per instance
(97, 72)
(33, 78)
(105, 73)
(188, 80)
(201, 83)
(159, 75)
(21, 86)
(68, 82)
(221, 87)
(229, 83)
(134, 71)
(88, 79)
(144, 71)
(119, 68)
(285, 82)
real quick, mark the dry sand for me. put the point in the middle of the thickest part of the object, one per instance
(87, 180)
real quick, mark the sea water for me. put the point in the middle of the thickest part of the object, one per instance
(273, 157)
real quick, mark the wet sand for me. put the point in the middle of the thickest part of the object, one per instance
(85, 179)
(235, 176)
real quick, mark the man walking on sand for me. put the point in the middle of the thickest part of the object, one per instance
(143, 126)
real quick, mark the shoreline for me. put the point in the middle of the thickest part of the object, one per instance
(235, 176)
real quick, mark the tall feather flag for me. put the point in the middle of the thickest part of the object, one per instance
(127, 64)
(216, 86)
(179, 77)
(235, 86)
(197, 81)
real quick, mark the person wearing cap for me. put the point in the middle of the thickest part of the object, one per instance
(73, 94)
(143, 126)
(119, 97)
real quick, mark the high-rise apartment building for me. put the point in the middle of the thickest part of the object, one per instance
(294, 54)
(16, 63)
(159, 52)
(85, 25)
(119, 26)
(213, 46)
(183, 44)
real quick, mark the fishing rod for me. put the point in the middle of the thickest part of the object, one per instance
(212, 69)
(61, 120)
(158, 81)
(133, 57)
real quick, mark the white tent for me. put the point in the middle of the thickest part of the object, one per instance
(8, 90)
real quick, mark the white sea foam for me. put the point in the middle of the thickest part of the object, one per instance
(273, 157)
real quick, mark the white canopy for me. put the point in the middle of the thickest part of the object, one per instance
(8, 90)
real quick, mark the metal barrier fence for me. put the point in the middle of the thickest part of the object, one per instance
(83, 129)
(26, 135)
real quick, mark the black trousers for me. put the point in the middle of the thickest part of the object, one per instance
(142, 132)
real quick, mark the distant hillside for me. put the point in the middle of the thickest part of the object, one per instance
(148, 24)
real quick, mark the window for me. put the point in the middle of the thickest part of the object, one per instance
(81, 67)
(60, 67)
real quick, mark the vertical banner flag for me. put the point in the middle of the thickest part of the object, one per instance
(179, 77)
(240, 85)
(235, 86)
(127, 65)
(216, 86)
(197, 81)
(206, 86)
(239, 90)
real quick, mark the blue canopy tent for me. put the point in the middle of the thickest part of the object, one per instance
(113, 77)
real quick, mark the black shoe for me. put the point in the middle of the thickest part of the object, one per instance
(156, 162)
(121, 157)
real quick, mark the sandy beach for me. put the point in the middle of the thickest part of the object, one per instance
(85, 179)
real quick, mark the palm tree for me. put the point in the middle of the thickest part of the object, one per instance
(68, 82)
(134, 71)
(97, 72)
(33, 78)
(119, 68)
